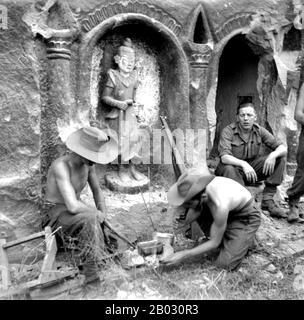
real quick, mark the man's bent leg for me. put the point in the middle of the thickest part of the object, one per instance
(90, 239)
(230, 171)
(276, 178)
(297, 188)
(238, 237)
(271, 183)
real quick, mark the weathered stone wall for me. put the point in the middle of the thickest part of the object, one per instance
(275, 47)
(26, 141)
(19, 126)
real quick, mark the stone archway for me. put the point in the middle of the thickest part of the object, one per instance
(237, 80)
(158, 40)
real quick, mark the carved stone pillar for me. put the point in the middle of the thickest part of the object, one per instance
(198, 76)
(199, 61)
(60, 104)
(60, 101)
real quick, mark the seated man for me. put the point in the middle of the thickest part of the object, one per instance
(225, 212)
(67, 177)
(240, 150)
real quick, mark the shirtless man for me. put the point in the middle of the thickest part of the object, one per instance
(224, 209)
(67, 177)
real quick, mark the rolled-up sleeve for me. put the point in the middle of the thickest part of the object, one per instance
(269, 140)
(225, 142)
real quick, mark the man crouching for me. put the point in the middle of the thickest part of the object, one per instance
(224, 210)
(66, 179)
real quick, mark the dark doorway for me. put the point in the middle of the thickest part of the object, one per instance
(237, 78)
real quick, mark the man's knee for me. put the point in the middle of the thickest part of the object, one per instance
(281, 161)
(88, 218)
(227, 170)
(226, 261)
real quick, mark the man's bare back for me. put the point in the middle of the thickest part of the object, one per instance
(227, 193)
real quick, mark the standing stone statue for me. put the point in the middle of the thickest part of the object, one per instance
(119, 94)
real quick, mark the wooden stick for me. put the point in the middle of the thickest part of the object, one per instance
(5, 272)
(23, 240)
(118, 234)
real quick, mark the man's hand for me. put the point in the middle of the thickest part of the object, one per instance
(192, 215)
(175, 258)
(269, 164)
(249, 172)
(191, 204)
(101, 216)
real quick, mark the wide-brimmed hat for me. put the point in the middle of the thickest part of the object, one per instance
(99, 146)
(188, 185)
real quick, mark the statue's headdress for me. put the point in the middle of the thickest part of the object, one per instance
(126, 48)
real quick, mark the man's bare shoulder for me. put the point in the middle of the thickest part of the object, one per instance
(226, 194)
(223, 188)
(60, 166)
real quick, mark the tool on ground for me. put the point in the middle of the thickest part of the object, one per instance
(107, 224)
(179, 168)
(148, 213)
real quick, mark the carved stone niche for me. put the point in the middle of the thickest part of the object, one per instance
(161, 63)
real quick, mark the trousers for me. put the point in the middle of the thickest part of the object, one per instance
(83, 227)
(271, 181)
(297, 188)
(239, 234)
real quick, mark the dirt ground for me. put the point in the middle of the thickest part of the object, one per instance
(273, 270)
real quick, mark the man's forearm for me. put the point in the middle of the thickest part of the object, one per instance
(299, 110)
(101, 205)
(201, 249)
(100, 201)
(229, 159)
(280, 151)
(79, 207)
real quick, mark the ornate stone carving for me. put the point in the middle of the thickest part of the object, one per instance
(59, 48)
(60, 102)
(200, 58)
(299, 12)
(132, 6)
(238, 21)
(36, 18)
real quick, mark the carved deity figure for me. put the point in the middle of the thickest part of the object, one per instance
(119, 94)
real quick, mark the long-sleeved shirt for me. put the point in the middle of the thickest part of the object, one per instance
(233, 143)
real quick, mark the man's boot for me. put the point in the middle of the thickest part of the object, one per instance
(273, 209)
(270, 205)
(293, 214)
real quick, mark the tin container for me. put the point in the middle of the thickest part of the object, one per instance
(150, 247)
(165, 238)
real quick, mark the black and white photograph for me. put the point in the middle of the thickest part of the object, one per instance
(151, 153)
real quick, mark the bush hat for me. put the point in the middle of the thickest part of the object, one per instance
(99, 146)
(189, 184)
